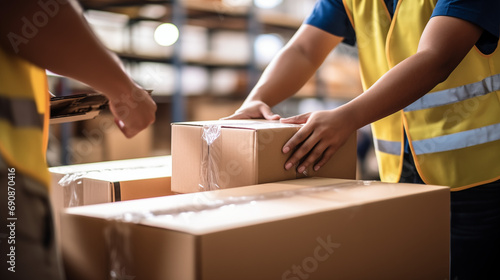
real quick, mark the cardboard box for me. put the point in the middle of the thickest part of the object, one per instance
(110, 181)
(313, 228)
(246, 152)
(210, 108)
(118, 147)
(101, 135)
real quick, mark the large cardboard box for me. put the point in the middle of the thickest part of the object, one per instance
(312, 228)
(208, 155)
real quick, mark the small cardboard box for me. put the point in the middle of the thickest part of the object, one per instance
(110, 181)
(312, 228)
(208, 155)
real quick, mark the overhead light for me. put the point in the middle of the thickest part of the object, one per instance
(266, 47)
(166, 34)
(267, 4)
(237, 3)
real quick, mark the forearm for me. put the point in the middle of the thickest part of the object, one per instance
(284, 76)
(398, 88)
(63, 43)
(445, 42)
(294, 65)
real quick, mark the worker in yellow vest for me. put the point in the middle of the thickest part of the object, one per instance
(36, 35)
(430, 71)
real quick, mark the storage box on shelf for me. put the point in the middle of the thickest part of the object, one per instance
(100, 138)
(312, 228)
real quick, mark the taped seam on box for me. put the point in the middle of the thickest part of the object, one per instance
(211, 153)
(118, 240)
(117, 191)
(69, 182)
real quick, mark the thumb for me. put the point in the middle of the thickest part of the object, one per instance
(121, 125)
(299, 119)
(268, 114)
(235, 116)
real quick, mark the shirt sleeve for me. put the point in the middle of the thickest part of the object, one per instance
(484, 13)
(331, 16)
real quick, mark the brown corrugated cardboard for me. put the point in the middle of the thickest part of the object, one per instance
(311, 228)
(246, 152)
(111, 181)
(101, 138)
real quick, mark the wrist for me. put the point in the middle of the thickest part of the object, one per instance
(352, 119)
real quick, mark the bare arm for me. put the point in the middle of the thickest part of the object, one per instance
(57, 38)
(288, 71)
(443, 45)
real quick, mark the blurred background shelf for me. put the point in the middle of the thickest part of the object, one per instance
(221, 49)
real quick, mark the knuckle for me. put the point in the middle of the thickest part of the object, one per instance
(316, 153)
(305, 146)
(296, 157)
(309, 160)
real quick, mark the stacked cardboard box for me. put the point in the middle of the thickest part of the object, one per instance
(210, 155)
(111, 181)
(313, 228)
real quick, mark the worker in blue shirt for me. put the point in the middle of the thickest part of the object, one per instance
(431, 77)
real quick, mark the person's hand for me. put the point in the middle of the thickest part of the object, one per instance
(254, 110)
(322, 135)
(133, 111)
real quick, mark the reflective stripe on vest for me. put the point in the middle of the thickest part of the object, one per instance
(388, 147)
(454, 130)
(453, 95)
(20, 112)
(458, 140)
(444, 143)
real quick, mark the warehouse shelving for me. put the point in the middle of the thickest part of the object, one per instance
(215, 17)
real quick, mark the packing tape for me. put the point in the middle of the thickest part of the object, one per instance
(71, 182)
(211, 152)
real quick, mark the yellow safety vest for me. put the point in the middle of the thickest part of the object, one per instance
(24, 114)
(454, 130)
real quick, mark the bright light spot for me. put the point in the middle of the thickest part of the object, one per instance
(267, 4)
(166, 34)
(237, 3)
(266, 47)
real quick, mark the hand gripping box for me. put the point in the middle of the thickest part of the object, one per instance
(312, 228)
(209, 155)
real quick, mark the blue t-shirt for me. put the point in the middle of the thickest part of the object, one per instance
(330, 16)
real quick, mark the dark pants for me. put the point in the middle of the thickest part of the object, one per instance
(27, 240)
(475, 228)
